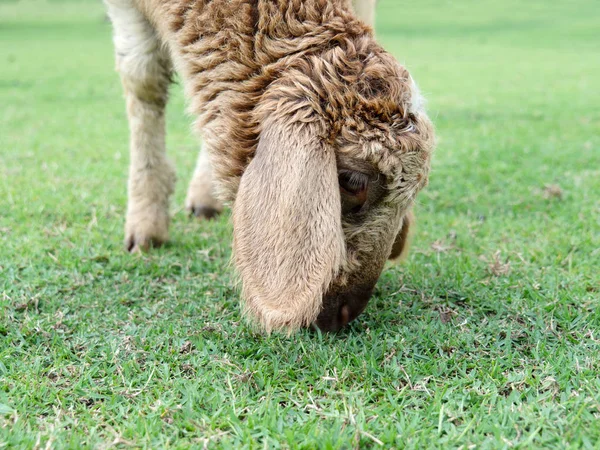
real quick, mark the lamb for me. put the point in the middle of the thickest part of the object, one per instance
(312, 132)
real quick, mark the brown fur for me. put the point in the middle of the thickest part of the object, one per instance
(286, 92)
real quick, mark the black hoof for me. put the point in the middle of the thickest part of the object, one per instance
(205, 212)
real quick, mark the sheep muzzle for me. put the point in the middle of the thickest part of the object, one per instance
(341, 308)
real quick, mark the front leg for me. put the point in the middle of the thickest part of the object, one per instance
(145, 68)
(201, 200)
(151, 181)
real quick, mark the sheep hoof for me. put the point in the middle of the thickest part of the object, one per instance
(134, 244)
(143, 235)
(204, 212)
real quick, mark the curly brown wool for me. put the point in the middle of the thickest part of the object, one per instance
(289, 95)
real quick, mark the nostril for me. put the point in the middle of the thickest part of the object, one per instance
(344, 315)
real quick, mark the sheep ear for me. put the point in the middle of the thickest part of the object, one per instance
(288, 239)
(400, 247)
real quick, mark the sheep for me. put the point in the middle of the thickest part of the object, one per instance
(312, 132)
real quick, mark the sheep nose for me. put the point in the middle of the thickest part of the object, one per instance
(339, 309)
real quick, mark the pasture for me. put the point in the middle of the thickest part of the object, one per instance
(488, 335)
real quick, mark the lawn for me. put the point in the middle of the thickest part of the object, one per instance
(488, 335)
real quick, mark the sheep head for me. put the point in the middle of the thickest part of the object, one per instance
(344, 147)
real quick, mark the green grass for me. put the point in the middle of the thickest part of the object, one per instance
(488, 335)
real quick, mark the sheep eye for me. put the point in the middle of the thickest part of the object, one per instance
(354, 188)
(353, 183)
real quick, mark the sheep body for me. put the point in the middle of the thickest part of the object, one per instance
(307, 72)
(229, 52)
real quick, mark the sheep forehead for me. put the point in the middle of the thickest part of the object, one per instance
(390, 148)
(375, 153)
